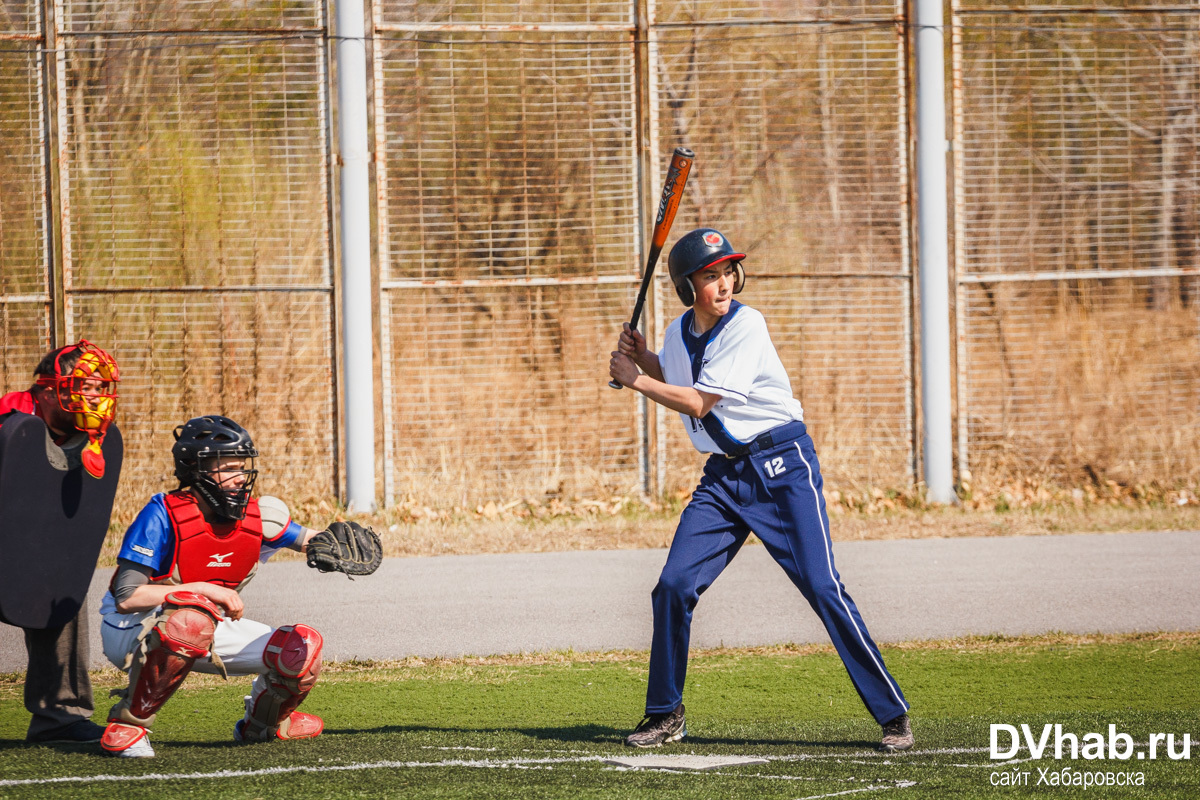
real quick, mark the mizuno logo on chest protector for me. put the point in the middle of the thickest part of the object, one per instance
(219, 560)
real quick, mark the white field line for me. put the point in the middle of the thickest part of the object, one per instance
(517, 763)
(995, 764)
(900, 785)
(764, 777)
(879, 757)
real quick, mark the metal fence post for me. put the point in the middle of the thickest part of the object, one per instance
(643, 150)
(359, 391)
(962, 399)
(933, 261)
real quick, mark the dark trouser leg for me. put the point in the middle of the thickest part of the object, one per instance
(707, 539)
(795, 529)
(58, 691)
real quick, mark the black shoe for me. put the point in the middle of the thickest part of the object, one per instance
(658, 729)
(83, 730)
(897, 735)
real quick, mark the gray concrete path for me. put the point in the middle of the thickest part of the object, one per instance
(930, 588)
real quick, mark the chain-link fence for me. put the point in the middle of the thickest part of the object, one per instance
(508, 232)
(195, 216)
(184, 222)
(800, 128)
(513, 203)
(25, 261)
(1077, 182)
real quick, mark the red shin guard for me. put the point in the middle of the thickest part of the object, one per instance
(183, 634)
(293, 662)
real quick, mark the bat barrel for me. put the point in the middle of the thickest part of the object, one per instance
(677, 175)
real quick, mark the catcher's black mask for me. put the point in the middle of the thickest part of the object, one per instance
(200, 443)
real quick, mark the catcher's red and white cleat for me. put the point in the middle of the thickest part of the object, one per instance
(127, 741)
(298, 725)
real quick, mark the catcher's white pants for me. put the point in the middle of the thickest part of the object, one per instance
(239, 644)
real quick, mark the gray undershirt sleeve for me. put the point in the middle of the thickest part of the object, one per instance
(129, 577)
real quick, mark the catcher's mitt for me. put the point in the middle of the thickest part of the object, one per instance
(345, 547)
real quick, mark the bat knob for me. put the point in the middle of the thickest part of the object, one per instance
(614, 385)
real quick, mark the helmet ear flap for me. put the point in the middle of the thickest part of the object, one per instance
(739, 278)
(686, 292)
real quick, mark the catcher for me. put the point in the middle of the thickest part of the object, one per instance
(173, 604)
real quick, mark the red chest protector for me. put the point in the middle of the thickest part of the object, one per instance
(224, 554)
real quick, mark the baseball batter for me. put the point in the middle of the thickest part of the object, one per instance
(719, 369)
(174, 603)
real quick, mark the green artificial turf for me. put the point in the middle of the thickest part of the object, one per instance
(532, 730)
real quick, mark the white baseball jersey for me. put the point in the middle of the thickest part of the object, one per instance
(736, 360)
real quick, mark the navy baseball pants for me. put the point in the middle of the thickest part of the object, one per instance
(775, 492)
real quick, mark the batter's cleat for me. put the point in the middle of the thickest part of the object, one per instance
(83, 730)
(897, 735)
(126, 741)
(298, 725)
(658, 729)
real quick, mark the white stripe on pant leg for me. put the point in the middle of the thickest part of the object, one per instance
(838, 584)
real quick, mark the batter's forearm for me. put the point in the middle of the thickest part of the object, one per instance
(649, 365)
(683, 399)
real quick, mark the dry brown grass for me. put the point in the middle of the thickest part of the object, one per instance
(627, 523)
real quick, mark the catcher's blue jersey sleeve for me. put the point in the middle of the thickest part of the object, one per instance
(149, 541)
(290, 536)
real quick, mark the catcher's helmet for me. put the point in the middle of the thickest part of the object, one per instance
(83, 379)
(697, 250)
(198, 443)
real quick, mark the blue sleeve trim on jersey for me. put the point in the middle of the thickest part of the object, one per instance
(149, 540)
(290, 536)
(721, 390)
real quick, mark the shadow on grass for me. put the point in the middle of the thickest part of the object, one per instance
(577, 733)
(61, 747)
(840, 744)
(604, 734)
(594, 734)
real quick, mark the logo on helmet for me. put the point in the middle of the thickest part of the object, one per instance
(713, 238)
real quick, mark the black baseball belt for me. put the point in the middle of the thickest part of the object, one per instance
(781, 434)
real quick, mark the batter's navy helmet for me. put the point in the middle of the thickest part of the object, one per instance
(211, 437)
(697, 250)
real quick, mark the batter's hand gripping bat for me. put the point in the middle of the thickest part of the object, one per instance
(677, 175)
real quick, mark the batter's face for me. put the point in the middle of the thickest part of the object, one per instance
(714, 292)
